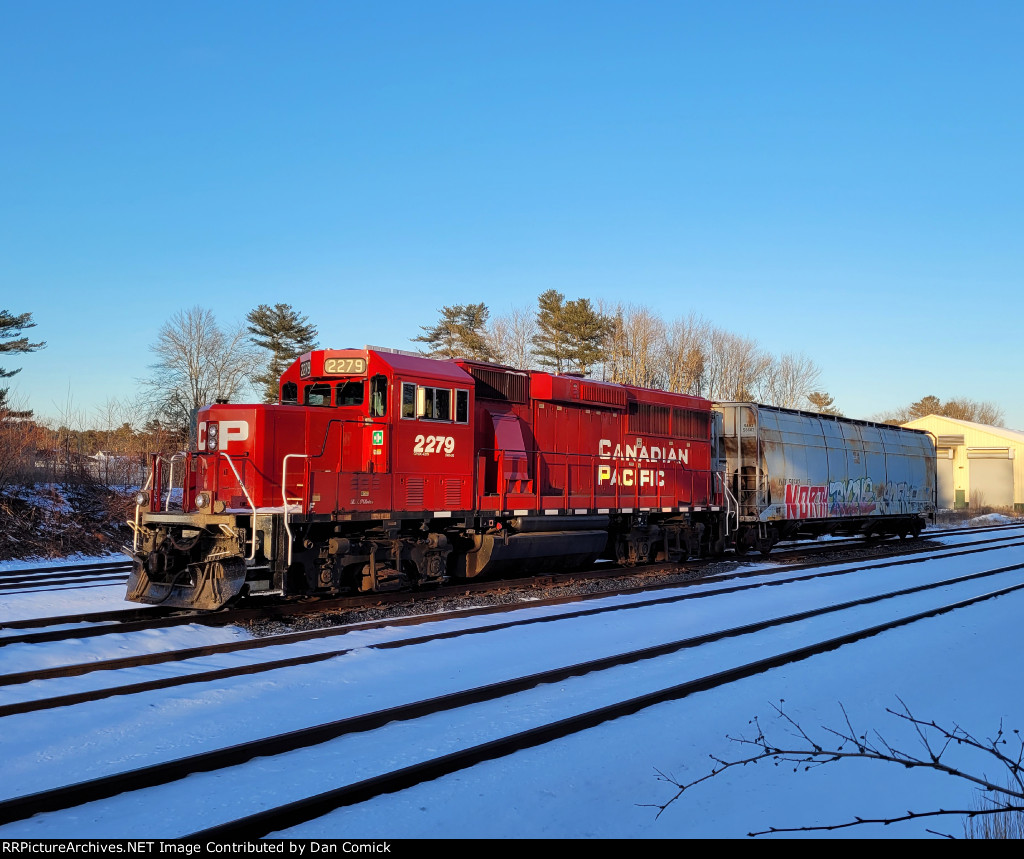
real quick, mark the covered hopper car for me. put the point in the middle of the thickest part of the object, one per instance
(794, 474)
(380, 470)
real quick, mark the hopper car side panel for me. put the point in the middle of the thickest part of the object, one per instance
(802, 473)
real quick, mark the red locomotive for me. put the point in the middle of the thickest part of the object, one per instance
(382, 469)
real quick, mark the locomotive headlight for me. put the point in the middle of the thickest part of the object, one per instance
(203, 500)
(142, 499)
(211, 436)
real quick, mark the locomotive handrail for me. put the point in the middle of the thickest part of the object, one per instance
(284, 495)
(362, 422)
(138, 508)
(731, 504)
(152, 482)
(170, 480)
(247, 498)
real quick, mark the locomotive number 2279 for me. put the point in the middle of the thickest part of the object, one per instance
(434, 444)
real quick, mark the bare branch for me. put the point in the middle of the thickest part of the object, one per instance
(936, 740)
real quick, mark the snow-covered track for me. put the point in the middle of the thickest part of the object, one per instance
(296, 812)
(76, 575)
(273, 820)
(207, 676)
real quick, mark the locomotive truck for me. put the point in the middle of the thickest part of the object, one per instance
(380, 469)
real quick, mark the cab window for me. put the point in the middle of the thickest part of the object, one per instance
(378, 396)
(317, 395)
(408, 400)
(290, 393)
(435, 404)
(349, 393)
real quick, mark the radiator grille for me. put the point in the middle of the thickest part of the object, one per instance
(500, 384)
(602, 394)
(414, 492)
(452, 494)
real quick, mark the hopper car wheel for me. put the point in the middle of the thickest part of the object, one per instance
(764, 544)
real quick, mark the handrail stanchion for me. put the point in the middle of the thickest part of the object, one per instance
(284, 497)
(247, 498)
(170, 481)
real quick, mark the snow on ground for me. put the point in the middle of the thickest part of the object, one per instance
(991, 519)
(69, 561)
(958, 667)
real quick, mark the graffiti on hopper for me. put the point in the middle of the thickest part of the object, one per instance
(848, 498)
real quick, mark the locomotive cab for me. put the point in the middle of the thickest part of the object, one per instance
(286, 498)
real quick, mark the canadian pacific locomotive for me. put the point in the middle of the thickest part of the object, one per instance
(380, 470)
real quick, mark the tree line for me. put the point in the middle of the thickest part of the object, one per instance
(198, 361)
(631, 345)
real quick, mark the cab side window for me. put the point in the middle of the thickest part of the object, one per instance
(436, 404)
(378, 396)
(408, 400)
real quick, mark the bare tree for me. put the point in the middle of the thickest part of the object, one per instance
(735, 367)
(635, 347)
(959, 408)
(686, 340)
(805, 750)
(198, 363)
(789, 381)
(970, 410)
(511, 337)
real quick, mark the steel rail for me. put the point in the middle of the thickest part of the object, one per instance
(308, 659)
(138, 618)
(106, 786)
(272, 820)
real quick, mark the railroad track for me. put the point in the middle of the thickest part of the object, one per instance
(85, 570)
(154, 617)
(291, 813)
(76, 575)
(332, 633)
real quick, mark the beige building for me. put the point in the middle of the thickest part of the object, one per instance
(978, 465)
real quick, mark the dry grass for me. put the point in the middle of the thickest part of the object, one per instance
(1000, 824)
(960, 518)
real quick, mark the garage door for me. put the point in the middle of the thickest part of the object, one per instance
(991, 477)
(944, 478)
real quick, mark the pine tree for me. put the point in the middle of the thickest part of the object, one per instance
(822, 403)
(285, 334)
(570, 333)
(460, 333)
(11, 327)
(585, 331)
(550, 343)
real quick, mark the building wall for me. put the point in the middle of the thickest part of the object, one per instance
(966, 443)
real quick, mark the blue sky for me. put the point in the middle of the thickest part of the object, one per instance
(841, 179)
